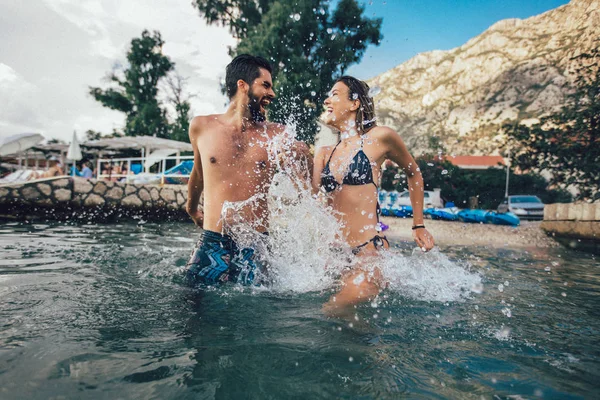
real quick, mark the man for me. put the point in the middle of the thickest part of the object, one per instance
(231, 164)
(86, 171)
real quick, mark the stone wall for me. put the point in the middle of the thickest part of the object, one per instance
(576, 222)
(92, 199)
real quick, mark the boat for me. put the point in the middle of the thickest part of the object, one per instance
(506, 218)
(445, 214)
(402, 211)
(472, 216)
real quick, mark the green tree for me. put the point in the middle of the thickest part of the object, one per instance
(136, 87)
(567, 143)
(308, 44)
(179, 101)
(457, 185)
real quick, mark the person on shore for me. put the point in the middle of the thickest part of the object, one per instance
(74, 170)
(348, 174)
(231, 164)
(86, 171)
(55, 169)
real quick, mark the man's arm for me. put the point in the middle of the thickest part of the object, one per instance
(196, 182)
(398, 153)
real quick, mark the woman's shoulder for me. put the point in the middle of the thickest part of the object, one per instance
(382, 130)
(321, 150)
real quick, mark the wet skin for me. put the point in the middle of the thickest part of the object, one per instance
(230, 156)
(231, 162)
(357, 205)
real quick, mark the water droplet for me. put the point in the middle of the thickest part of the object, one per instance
(359, 279)
(430, 164)
(329, 30)
(350, 359)
(374, 91)
(445, 172)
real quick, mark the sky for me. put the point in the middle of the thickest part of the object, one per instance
(411, 27)
(51, 51)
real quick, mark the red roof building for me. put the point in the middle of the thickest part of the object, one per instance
(476, 162)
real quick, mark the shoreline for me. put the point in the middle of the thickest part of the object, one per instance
(528, 234)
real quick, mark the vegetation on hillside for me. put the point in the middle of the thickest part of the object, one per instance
(457, 184)
(567, 143)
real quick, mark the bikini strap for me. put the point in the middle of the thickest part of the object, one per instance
(333, 151)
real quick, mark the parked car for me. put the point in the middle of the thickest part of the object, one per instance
(432, 199)
(524, 206)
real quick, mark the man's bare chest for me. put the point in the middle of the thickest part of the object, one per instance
(234, 154)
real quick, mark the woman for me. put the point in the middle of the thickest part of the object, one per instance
(348, 173)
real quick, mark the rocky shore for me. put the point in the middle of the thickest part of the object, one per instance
(446, 233)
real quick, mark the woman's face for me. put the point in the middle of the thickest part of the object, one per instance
(340, 110)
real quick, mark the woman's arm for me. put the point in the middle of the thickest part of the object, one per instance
(397, 152)
(319, 164)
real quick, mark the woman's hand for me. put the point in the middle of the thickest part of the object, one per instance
(423, 239)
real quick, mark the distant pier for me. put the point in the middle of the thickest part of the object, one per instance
(576, 225)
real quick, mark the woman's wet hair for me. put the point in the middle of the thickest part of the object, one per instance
(359, 90)
(245, 67)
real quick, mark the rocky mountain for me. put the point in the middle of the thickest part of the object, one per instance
(517, 70)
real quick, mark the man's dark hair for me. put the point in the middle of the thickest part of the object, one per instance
(246, 68)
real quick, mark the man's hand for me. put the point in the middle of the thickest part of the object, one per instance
(423, 239)
(197, 216)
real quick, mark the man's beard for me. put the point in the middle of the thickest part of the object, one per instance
(254, 107)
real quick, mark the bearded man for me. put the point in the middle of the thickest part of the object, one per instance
(232, 164)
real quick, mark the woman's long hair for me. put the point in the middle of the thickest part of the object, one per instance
(359, 90)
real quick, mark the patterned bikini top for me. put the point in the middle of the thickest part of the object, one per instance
(359, 171)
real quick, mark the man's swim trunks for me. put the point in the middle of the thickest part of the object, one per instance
(217, 259)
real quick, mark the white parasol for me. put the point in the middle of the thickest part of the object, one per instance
(74, 153)
(18, 143)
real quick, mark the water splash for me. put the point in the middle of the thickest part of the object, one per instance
(303, 250)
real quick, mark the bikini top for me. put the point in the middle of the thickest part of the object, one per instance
(359, 171)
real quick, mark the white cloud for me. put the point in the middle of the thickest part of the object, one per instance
(19, 99)
(58, 48)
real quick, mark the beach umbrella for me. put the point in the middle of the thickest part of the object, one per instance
(18, 143)
(74, 153)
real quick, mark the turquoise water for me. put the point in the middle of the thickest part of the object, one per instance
(99, 311)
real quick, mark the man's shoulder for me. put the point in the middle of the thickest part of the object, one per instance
(201, 121)
(276, 128)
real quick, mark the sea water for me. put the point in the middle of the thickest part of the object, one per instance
(100, 311)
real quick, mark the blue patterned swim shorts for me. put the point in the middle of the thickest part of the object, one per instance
(218, 259)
